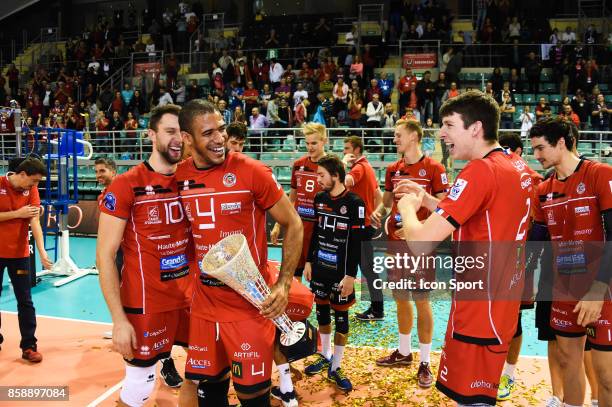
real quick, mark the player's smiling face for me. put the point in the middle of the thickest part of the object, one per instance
(324, 179)
(167, 138)
(315, 147)
(104, 175)
(545, 153)
(405, 139)
(208, 139)
(459, 140)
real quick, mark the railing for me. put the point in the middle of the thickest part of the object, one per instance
(280, 146)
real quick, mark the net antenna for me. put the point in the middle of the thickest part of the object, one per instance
(60, 150)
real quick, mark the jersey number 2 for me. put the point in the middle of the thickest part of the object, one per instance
(522, 229)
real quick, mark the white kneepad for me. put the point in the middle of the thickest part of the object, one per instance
(138, 385)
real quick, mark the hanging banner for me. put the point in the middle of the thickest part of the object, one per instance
(149, 68)
(418, 61)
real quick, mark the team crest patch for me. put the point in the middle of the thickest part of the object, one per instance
(110, 202)
(444, 178)
(343, 210)
(422, 172)
(229, 180)
(581, 188)
(457, 189)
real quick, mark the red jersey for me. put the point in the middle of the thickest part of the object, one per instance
(571, 209)
(14, 232)
(426, 172)
(156, 268)
(490, 201)
(304, 181)
(227, 199)
(365, 186)
(405, 83)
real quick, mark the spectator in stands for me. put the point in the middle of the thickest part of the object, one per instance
(260, 72)
(289, 76)
(130, 126)
(506, 89)
(489, 32)
(117, 103)
(527, 120)
(413, 106)
(440, 87)
(340, 95)
(375, 112)
(581, 107)
(497, 82)
(569, 36)
(225, 112)
(568, 114)
(488, 90)
(514, 29)
(301, 112)
(541, 107)
(236, 137)
(326, 86)
(454, 67)
(239, 115)
(257, 120)
(554, 37)
(283, 90)
(272, 112)
(481, 13)
(404, 86)
(164, 98)
(306, 73)
(299, 95)
(507, 110)
(425, 90)
(138, 105)
(242, 73)
(285, 114)
(372, 90)
(591, 76)
(250, 97)
(451, 92)
(101, 138)
(533, 68)
(12, 75)
(275, 72)
(126, 94)
(600, 115)
(354, 109)
(356, 70)
(388, 123)
(386, 87)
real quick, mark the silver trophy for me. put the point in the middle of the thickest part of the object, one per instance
(230, 261)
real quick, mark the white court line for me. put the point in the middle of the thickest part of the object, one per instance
(63, 318)
(105, 395)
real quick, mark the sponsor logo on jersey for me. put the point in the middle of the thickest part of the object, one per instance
(305, 211)
(198, 363)
(2, 191)
(231, 208)
(237, 369)
(422, 172)
(198, 348)
(145, 350)
(583, 232)
(561, 323)
(186, 185)
(229, 179)
(519, 165)
(245, 346)
(398, 217)
(110, 202)
(343, 209)
(153, 215)
(160, 331)
(582, 210)
(581, 188)
(591, 331)
(362, 212)
(551, 218)
(444, 178)
(341, 226)
(481, 384)
(526, 183)
(457, 189)
(327, 257)
(160, 344)
(571, 260)
(173, 262)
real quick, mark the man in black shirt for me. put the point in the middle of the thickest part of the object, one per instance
(334, 255)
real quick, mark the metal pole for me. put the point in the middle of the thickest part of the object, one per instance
(17, 120)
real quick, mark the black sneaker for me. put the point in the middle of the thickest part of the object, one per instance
(369, 315)
(288, 399)
(169, 374)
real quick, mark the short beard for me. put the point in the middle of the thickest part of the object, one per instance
(166, 155)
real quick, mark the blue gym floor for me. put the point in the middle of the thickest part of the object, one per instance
(82, 299)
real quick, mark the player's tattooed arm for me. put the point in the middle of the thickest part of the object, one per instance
(284, 214)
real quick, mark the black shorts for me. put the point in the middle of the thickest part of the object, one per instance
(519, 326)
(326, 292)
(542, 321)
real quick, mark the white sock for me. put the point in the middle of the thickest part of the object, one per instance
(338, 353)
(284, 372)
(594, 403)
(404, 344)
(508, 370)
(326, 345)
(569, 405)
(424, 349)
